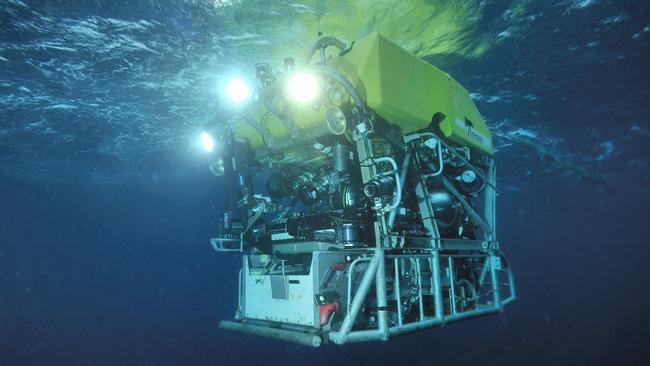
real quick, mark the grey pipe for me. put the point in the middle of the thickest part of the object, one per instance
(402, 177)
(411, 327)
(365, 335)
(350, 272)
(266, 134)
(496, 291)
(288, 124)
(490, 203)
(452, 285)
(513, 291)
(470, 165)
(306, 339)
(382, 302)
(341, 335)
(481, 278)
(420, 293)
(324, 42)
(397, 291)
(437, 286)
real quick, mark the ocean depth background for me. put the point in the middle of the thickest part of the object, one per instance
(106, 202)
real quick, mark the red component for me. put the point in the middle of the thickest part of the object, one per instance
(336, 267)
(326, 310)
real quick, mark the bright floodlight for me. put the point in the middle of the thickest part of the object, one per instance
(207, 141)
(303, 87)
(237, 90)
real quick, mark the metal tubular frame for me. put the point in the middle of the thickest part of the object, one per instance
(397, 291)
(239, 313)
(437, 286)
(350, 272)
(345, 334)
(382, 302)
(341, 335)
(434, 256)
(376, 271)
(452, 285)
(420, 297)
(402, 176)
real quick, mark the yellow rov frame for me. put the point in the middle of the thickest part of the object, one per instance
(399, 98)
(401, 88)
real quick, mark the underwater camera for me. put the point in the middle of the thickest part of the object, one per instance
(360, 190)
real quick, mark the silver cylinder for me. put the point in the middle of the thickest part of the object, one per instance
(341, 158)
(445, 208)
(349, 234)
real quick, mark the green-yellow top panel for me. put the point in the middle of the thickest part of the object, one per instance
(408, 91)
(398, 86)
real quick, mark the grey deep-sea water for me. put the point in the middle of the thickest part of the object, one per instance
(106, 202)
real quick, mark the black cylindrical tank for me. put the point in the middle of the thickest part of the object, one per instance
(341, 157)
(445, 207)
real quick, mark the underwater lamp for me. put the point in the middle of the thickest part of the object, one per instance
(217, 164)
(237, 90)
(207, 141)
(303, 87)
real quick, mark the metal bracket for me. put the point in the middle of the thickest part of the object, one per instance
(227, 244)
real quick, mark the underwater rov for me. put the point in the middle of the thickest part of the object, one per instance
(361, 190)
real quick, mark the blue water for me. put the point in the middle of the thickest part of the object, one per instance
(106, 203)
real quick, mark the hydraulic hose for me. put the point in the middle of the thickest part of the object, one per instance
(403, 174)
(324, 42)
(347, 85)
(415, 136)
